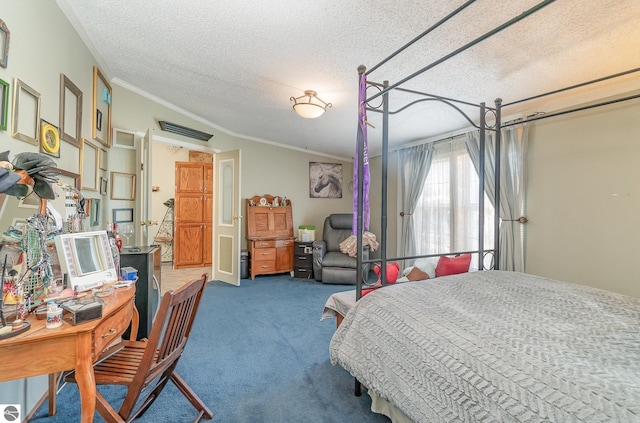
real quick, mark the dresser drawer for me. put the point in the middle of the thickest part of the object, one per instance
(111, 328)
(259, 267)
(264, 244)
(303, 260)
(264, 254)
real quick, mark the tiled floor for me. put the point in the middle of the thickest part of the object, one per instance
(172, 279)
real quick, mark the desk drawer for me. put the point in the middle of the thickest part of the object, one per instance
(284, 243)
(111, 328)
(264, 244)
(264, 254)
(302, 273)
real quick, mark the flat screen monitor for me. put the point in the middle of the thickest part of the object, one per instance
(86, 259)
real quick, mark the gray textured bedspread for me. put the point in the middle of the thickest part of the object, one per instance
(496, 346)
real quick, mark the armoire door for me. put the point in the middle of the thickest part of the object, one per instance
(193, 214)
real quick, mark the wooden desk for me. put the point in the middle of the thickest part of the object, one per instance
(40, 351)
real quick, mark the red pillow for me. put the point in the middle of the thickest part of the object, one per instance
(453, 265)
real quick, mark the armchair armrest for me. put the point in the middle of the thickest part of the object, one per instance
(319, 251)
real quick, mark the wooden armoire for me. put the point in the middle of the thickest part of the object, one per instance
(269, 235)
(193, 214)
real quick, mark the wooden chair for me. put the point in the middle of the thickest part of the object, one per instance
(136, 364)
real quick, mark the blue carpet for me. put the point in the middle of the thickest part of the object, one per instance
(257, 353)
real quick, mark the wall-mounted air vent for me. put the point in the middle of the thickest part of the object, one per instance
(184, 131)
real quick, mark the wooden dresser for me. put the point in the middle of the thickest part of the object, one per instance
(269, 235)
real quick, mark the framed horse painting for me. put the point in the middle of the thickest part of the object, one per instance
(325, 180)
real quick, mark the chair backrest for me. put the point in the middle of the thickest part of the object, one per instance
(337, 228)
(171, 328)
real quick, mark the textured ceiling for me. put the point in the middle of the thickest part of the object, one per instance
(236, 63)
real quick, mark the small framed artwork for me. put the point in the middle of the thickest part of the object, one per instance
(70, 111)
(124, 139)
(49, 139)
(4, 104)
(104, 164)
(122, 215)
(4, 44)
(94, 212)
(101, 130)
(98, 120)
(89, 160)
(103, 185)
(123, 186)
(25, 124)
(69, 178)
(325, 180)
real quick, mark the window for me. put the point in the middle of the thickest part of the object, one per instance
(446, 217)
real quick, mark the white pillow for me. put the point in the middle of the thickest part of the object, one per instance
(427, 265)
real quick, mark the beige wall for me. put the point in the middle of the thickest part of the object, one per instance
(583, 198)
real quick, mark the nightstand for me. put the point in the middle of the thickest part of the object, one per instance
(303, 260)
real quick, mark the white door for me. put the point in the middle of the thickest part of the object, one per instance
(227, 219)
(144, 231)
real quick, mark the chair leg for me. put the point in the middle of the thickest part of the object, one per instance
(106, 411)
(151, 397)
(191, 395)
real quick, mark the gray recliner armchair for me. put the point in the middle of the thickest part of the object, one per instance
(330, 265)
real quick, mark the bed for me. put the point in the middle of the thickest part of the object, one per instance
(491, 345)
(496, 346)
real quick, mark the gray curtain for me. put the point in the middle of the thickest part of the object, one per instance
(414, 165)
(512, 188)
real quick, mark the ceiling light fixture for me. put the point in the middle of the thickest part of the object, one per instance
(309, 105)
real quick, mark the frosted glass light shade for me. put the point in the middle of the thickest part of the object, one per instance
(309, 105)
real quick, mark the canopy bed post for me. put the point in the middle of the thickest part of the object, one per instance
(481, 172)
(360, 157)
(359, 180)
(498, 165)
(385, 159)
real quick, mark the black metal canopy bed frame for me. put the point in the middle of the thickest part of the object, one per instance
(491, 345)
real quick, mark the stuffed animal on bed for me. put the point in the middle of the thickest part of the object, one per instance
(393, 269)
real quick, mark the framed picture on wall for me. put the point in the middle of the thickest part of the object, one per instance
(101, 130)
(25, 125)
(4, 44)
(4, 104)
(325, 180)
(122, 215)
(49, 139)
(70, 111)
